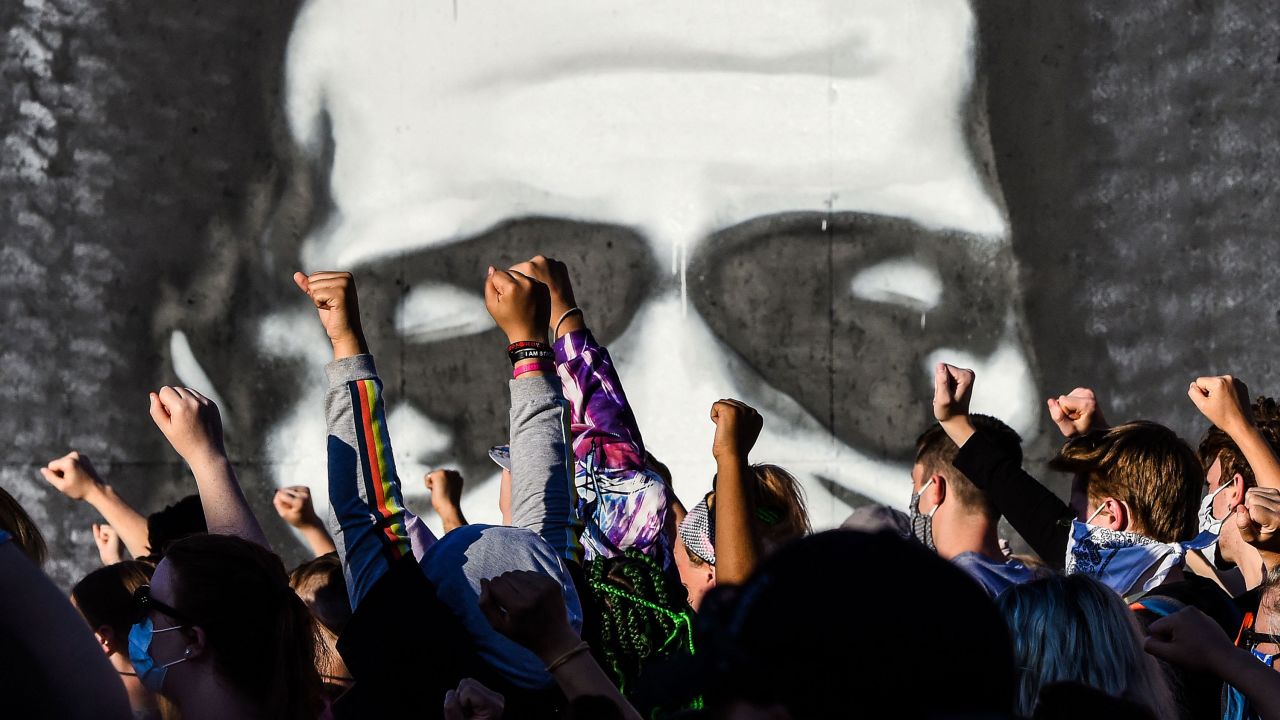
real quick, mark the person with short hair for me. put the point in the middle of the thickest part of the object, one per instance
(104, 598)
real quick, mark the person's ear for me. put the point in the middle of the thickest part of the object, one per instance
(1116, 516)
(1235, 493)
(937, 491)
(711, 575)
(196, 643)
(106, 638)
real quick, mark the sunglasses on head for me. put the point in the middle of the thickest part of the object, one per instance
(143, 604)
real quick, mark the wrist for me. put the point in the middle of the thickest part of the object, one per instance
(347, 346)
(557, 646)
(1237, 427)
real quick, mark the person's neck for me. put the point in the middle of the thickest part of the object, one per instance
(968, 534)
(140, 698)
(211, 697)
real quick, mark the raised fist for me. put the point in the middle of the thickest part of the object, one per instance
(445, 487)
(952, 387)
(72, 475)
(738, 426)
(528, 607)
(1077, 413)
(293, 504)
(334, 295)
(1222, 399)
(190, 422)
(473, 701)
(107, 540)
(1258, 519)
(555, 275)
(520, 305)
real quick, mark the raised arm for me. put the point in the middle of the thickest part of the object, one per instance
(191, 424)
(1224, 401)
(74, 476)
(1040, 516)
(543, 498)
(368, 518)
(738, 426)
(626, 506)
(293, 505)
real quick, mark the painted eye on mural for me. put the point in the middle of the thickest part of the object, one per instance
(901, 281)
(436, 312)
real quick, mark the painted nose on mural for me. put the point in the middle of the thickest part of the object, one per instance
(841, 312)
(436, 346)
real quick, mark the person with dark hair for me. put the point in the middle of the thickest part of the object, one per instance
(221, 634)
(818, 630)
(167, 526)
(321, 586)
(105, 598)
(953, 517)
(22, 531)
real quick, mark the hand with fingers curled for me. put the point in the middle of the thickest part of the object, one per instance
(1258, 521)
(293, 505)
(1223, 400)
(555, 275)
(1076, 413)
(1189, 639)
(335, 300)
(72, 475)
(519, 304)
(473, 701)
(952, 388)
(528, 607)
(110, 546)
(190, 422)
(738, 426)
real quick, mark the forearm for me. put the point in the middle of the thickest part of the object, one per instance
(1261, 459)
(543, 498)
(736, 552)
(1259, 683)
(1040, 516)
(959, 429)
(226, 511)
(318, 539)
(128, 523)
(579, 675)
(369, 519)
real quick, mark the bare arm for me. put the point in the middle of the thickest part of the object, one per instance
(737, 427)
(1224, 401)
(191, 424)
(293, 505)
(74, 476)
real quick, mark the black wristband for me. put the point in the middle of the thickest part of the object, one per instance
(531, 353)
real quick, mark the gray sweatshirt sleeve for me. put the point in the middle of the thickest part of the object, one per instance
(543, 497)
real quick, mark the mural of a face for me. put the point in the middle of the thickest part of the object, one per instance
(781, 205)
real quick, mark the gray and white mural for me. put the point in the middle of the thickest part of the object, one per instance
(801, 205)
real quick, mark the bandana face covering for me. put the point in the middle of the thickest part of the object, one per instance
(1120, 559)
(921, 524)
(1209, 523)
(151, 674)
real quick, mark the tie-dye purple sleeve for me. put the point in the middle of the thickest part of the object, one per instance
(601, 420)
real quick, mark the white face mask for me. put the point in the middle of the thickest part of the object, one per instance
(1207, 520)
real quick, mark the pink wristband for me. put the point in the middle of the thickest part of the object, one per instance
(540, 366)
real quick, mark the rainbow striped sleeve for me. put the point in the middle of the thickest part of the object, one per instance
(378, 467)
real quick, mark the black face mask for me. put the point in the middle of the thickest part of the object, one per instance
(921, 524)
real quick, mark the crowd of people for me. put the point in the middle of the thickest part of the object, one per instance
(1152, 593)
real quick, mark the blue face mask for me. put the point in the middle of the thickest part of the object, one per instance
(151, 674)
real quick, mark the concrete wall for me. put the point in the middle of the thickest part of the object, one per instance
(803, 206)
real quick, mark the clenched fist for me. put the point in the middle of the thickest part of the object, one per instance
(72, 475)
(952, 388)
(107, 540)
(520, 305)
(293, 505)
(555, 275)
(738, 427)
(528, 607)
(1077, 413)
(190, 422)
(1222, 399)
(1258, 520)
(334, 295)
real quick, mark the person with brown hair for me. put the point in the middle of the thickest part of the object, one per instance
(951, 516)
(105, 598)
(321, 586)
(15, 521)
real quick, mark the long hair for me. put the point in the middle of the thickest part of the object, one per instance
(18, 523)
(261, 635)
(105, 596)
(643, 614)
(780, 508)
(1074, 628)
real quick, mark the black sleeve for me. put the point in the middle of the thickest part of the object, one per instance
(1039, 516)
